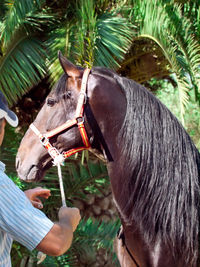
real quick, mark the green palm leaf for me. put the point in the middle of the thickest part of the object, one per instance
(188, 46)
(57, 41)
(21, 68)
(91, 39)
(22, 56)
(165, 24)
(16, 16)
(114, 38)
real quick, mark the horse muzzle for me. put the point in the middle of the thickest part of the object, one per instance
(33, 173)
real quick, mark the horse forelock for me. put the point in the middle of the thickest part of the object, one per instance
(60, 86)
(161, 170)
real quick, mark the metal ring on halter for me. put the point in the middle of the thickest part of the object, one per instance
(80, 120)
(44, 140)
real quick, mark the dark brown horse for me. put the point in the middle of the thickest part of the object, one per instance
(154, 167)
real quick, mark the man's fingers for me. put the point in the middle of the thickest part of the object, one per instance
(34, 196)
(37, 204)
(45, 195)
(40, 192)
(36, 199)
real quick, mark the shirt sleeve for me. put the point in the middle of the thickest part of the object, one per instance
(18, 217)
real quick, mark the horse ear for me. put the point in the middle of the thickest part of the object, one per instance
(69, 68)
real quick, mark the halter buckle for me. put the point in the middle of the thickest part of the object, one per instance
(53, 152)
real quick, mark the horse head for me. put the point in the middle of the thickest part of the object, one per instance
(60, 107)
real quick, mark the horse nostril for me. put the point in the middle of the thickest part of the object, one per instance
(17, 163)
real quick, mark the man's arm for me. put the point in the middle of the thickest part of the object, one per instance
(31, 227)
(58, 240)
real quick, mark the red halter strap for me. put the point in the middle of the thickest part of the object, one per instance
(79, 121)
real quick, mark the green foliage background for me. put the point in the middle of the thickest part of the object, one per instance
(169, 96)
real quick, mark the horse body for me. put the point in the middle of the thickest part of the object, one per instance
(155, 169)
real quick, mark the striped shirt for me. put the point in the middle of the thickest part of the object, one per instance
(19, 220)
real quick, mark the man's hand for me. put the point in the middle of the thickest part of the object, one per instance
(33, 194)
(71, 215)
(59, 238)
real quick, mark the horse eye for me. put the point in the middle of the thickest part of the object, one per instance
(51, 102)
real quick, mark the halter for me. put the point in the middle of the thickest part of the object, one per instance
(57, 157)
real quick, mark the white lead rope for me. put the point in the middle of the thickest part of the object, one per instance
(41, 256)
(61, 186)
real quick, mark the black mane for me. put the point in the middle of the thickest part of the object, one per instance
(161, 172)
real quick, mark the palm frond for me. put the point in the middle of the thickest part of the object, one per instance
(164, 24)
(183, 96)
(188, 46)
(93, 39)
(22, 67)
(16, 15)
(198, 22)
(58, 40)
(114, 38)
(95, 233)
(85, 32)
(84, 176)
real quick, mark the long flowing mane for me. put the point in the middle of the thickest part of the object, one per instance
(161, 172)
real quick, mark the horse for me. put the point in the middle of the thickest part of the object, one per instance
(153, 165)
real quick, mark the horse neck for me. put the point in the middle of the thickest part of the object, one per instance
(108, 104)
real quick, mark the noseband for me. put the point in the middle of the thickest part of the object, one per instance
(57, 157)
